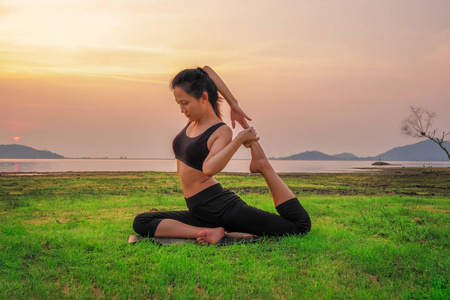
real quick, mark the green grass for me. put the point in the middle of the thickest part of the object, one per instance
(374, 236)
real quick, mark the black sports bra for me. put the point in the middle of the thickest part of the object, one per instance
(193, 151)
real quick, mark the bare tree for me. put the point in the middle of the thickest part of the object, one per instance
(419, 125)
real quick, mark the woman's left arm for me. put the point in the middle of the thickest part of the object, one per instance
(224, 147)
(237, 114)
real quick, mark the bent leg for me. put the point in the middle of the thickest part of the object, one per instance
(260, 164)
(284, 199)
(146, 224)
(178, 224)
(177, 229)
(292, 219)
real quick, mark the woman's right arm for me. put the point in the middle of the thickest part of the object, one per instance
(223, 149)
(237, 114)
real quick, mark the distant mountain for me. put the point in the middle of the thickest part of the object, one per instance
(421, 151)
(309, 155)
(346, 156)
(317, 155)
(19, 151)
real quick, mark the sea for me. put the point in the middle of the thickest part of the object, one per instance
(169, 165)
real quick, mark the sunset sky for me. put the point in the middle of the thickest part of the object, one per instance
(91, 77)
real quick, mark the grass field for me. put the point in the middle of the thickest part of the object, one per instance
(382, 235)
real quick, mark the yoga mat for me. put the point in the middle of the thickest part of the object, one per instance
(229, 239)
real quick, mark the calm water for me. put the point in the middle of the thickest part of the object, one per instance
(169, 165)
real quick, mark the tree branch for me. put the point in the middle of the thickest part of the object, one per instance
(418, 125)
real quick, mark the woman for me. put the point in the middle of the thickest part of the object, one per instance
(203, 148)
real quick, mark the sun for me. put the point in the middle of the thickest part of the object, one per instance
(16, 138)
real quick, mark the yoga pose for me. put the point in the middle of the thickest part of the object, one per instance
(202, 149)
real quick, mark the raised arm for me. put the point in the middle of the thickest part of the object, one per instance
(237, 114)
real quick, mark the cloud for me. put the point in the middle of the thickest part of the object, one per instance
(148, 65)
(14, 125)
(439, 55)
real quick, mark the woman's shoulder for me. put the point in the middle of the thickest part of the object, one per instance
(221, 136)
(224, 126)
(220, 128)
(223, 130)
(218, 125)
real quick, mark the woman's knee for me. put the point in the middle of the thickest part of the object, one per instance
(293, 211)
(303, 226)
(145, 224)
(138, 224)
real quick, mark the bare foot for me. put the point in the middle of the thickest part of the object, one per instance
(211, 236)
(259, 159)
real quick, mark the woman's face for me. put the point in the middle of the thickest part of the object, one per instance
(191, 107)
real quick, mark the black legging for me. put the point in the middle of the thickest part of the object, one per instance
(218, 207)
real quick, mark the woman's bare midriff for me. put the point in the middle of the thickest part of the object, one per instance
(193, 181)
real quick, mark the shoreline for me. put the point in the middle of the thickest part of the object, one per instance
(358, 171)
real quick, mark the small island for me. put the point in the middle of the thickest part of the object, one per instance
(381, 163)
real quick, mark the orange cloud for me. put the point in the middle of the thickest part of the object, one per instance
(14, 125)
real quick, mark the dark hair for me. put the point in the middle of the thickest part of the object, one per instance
(196, 81)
